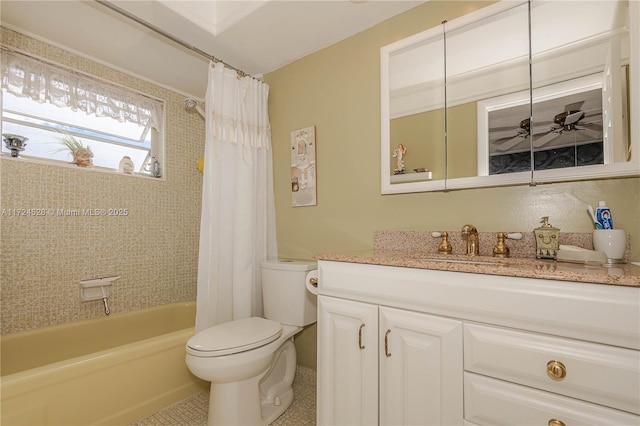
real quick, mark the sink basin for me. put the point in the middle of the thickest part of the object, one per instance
(464, 261)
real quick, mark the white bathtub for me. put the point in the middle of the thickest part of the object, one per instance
(110, 370)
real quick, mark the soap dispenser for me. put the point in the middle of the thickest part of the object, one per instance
(547, 243)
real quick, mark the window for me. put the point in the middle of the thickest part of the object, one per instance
(45, 103)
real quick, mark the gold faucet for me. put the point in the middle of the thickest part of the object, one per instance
(470, 234)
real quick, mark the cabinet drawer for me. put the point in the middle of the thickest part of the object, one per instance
(495, 402)
(597, 373)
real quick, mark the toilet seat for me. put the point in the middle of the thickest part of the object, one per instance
(234, 337)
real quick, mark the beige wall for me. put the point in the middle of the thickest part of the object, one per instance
(462, 137)
(423, 137)
(154, 249)
(337, 89)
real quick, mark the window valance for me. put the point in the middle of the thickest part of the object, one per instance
(43, 82)
(237, 109)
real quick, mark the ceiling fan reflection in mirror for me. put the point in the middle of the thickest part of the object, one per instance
(571, 120)
(507, 143)
(575, 125)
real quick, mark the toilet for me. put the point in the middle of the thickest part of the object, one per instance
(251, 362)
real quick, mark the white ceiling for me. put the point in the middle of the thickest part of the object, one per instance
(257, 36)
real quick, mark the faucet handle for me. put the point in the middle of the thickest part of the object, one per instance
(445, 245)
(501, 249)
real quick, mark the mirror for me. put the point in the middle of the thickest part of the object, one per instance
(482, 63)
(491, 119)
(415, 150)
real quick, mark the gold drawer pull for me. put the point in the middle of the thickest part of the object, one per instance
(556, 422)
(557, 371)
(386, 344)
(360, 345)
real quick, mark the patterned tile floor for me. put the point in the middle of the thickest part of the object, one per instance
(193, 411)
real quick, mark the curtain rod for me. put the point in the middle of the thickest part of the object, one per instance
(171, 37)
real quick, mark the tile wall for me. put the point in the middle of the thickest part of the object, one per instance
(154, 248)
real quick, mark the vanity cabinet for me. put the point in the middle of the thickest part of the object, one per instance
(348, 360)
(389, 366)
(415, 346)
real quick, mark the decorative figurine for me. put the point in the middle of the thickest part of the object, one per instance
(155, 168)
(126, 165)
(398, 153)
(15, 143)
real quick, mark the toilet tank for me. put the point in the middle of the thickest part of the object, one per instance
(284, 293)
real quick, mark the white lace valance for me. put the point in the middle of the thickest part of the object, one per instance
(237, 108)
(44, 82)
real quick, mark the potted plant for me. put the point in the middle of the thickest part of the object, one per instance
(82, 156)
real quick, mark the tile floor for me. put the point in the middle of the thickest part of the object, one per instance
(193, 411)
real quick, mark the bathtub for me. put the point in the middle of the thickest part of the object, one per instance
(110, 370)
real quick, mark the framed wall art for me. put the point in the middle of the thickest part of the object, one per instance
(303, 167)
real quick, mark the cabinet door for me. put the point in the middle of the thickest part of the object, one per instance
(420, 369)
(347, 362)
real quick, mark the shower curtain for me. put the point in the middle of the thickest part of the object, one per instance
(237, 228)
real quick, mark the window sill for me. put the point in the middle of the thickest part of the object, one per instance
(31, 160)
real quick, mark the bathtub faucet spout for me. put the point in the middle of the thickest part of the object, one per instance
(105, 299)
(96, 289)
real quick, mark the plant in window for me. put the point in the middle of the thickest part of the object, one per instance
(82, 156)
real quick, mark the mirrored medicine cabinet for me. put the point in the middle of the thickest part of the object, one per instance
(514, 93)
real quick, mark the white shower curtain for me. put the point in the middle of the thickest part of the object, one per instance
(237, 228)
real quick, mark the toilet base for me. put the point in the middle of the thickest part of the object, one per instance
(259, 400)
(276, 393)
(235, 403)
(270, 412)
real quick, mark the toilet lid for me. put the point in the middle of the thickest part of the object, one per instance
(235, 336)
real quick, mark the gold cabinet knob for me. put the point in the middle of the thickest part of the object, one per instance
(557, 371)
(556, 422)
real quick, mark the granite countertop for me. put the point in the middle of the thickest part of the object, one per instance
(623, 274)
(413, 249)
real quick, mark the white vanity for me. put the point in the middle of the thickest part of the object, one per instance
(419, 346)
